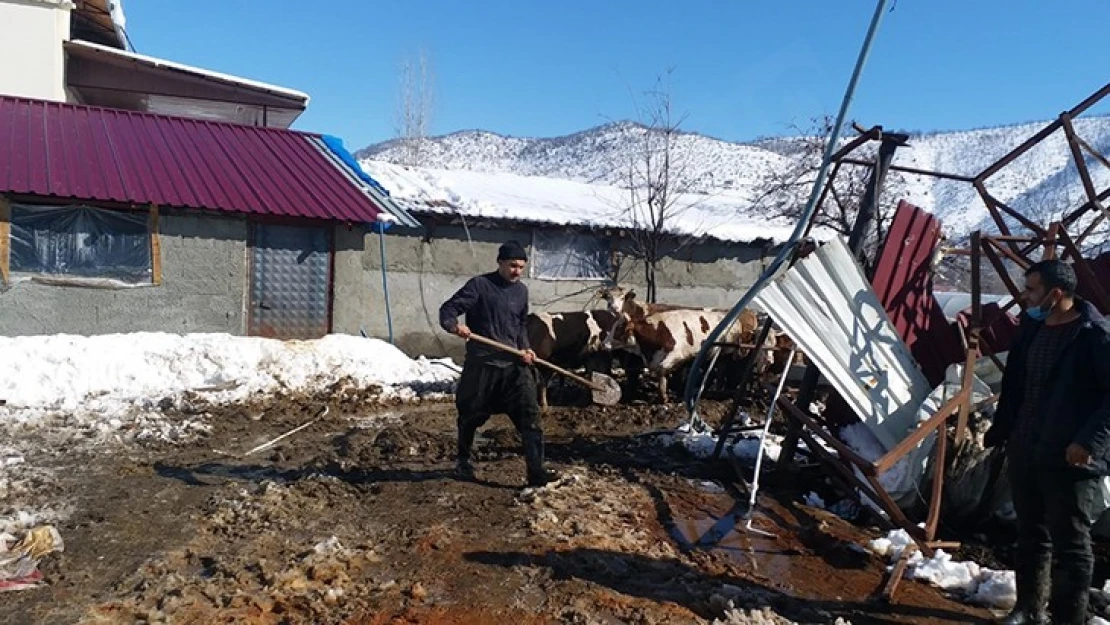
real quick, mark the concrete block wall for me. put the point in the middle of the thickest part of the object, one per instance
(204, 273)
(424, 271)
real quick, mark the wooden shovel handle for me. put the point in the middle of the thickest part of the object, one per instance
(539, 361)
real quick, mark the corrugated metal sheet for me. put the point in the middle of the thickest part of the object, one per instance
(903, 281)
(825, 304)
(75, 152)
(1101, 268)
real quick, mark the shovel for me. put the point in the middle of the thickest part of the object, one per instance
(606, 391)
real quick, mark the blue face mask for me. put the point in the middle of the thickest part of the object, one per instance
(1040, 313)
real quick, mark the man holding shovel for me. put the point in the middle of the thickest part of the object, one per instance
(493, 381)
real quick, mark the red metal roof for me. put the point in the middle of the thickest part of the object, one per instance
(85, 153)
(904, 283)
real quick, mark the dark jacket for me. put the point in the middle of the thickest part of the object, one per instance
(1075, 404)
(495, 308)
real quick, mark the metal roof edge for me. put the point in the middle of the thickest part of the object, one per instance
(332, 149)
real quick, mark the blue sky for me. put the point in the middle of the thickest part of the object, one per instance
(742, 69)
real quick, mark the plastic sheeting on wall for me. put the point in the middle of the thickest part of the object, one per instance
(564, 256)
(82, 242)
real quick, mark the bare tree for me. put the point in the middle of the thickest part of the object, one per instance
(414, 106)
(656, 180)
(784, 191)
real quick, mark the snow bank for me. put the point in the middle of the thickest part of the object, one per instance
(996, 589)
(105, 379)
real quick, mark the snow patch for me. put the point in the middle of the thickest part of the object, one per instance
(699, 441)
(813, 500)
(996, 589)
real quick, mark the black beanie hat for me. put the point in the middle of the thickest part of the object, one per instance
(511, 250)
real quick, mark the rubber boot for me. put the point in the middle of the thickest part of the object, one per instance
(1070, 596)
(464, 470)
(1021, 616)
(533, 460)
(1032, 593)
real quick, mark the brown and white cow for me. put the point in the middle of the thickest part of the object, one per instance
(669, 337)
(571, 340)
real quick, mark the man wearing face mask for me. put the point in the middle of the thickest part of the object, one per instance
(496, 307)
(1054, 418)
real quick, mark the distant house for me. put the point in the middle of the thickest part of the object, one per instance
(577, 234)
(141, 194)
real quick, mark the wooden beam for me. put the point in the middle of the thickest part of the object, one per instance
(1011, 254)
(845, 452)
(1018, 151)
(1093, 152)
(1081, 165)
(1090, 229)
(155, 247)
(989, 200)
(871, 489)
(897, 573)
(911, 170)
(1091, 100)
(1074, 216)
(1025, 221)
(974, 331)
(872, 134)
(882, 465)
(1000, 268)
(933, 518)
(1083, 269)
(899, 517)
(5, 240)
(1050, 241)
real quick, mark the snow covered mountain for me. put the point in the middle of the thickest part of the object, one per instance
(1040, 184)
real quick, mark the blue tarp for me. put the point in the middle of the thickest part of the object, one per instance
(335, 144)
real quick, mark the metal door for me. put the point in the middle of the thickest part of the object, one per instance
(290, 282)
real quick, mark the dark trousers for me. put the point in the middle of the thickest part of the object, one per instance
(1055, 511)
(486, 389)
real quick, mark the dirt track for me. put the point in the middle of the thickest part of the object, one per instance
(358, 520)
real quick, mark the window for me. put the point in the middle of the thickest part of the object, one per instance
(81, 242)
(567, 256)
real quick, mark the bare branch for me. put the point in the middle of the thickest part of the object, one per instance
(414, 106)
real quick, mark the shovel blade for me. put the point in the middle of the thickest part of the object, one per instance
(606, 391)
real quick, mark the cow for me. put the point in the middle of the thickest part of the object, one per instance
(571, 340)
(669, 337)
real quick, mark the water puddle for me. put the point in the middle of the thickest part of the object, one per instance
(767, 551)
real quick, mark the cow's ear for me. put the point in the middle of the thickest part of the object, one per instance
(631, 295)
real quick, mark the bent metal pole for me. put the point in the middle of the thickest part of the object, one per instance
(693, 381)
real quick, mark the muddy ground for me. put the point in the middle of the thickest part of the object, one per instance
(359, 520)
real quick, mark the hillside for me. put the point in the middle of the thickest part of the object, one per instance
(1039, 184)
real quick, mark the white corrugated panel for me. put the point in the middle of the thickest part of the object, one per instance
(825, 304)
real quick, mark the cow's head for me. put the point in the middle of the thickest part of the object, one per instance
(632, 307)
(621, 335)
(614, 297)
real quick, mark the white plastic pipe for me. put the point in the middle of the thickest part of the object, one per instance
(763, 443)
